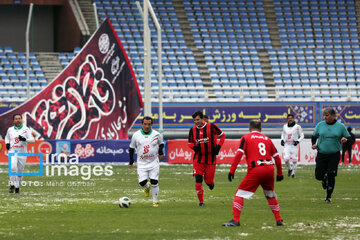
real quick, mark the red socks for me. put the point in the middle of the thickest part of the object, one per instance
(199, 191)
(274, 206)
(237, 206)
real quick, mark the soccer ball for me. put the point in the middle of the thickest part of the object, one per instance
(124, 202)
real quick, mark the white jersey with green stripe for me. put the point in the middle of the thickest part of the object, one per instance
(146, 146)
(12, 137)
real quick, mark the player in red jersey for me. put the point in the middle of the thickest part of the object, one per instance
(259, 151)
(203, 140)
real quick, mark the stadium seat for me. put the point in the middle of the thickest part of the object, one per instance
(319, 46)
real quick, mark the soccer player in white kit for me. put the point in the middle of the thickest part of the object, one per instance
(291, 136)
(16, 140)
(149, 145)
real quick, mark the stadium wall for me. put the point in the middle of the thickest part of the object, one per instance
(13, 20)
(233, 117)
(37, 2)
(52, 24)
(116, 151)
(238, 114)
(65, 26)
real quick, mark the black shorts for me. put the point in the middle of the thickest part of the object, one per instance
(327, 163)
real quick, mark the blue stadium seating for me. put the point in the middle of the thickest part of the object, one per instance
(13, 73)
(319, 54)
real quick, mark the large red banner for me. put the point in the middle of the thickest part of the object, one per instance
(95, 97)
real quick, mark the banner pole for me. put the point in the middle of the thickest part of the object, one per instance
(28, 50)
(96, 15)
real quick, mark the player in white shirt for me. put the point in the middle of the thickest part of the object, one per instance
(291, 136)
(16, 139)
(148, 145)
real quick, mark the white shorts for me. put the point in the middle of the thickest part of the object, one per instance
(17, 164)
(145, 173)
(291, 152)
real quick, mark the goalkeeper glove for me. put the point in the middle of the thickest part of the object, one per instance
(296, 143)
(8, 146)
(282, 143)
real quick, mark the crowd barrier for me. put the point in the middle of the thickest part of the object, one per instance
(85, 151)
(116, 151)
(179, 152)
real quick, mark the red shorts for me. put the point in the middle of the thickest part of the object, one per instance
(260, 175)
(208, 170)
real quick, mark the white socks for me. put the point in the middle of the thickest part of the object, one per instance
(155, 192)
(294, 168)
(288, 164)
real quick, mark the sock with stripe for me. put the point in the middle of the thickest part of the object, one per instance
(274, 206)
(237, 206)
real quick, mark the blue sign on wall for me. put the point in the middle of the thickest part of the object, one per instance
(230, 115)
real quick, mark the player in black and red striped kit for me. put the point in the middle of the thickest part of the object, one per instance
(259, 151)
(203, 140)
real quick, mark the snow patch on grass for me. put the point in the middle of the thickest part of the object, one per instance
(337, 227)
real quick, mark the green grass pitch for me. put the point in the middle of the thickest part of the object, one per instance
(72, 208)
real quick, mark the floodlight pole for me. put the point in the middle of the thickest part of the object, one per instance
(159, 53)
(147, 60)
(28, 50)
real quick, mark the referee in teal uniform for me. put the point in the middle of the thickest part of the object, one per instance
(327, 139)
